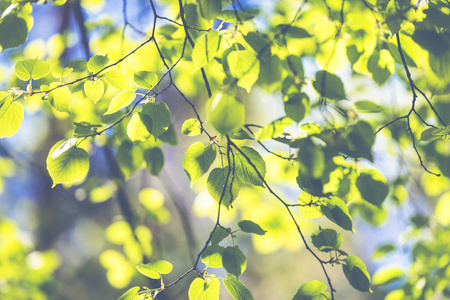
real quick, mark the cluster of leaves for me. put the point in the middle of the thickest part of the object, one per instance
(333, 159)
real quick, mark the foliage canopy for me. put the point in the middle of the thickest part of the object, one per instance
(274, 101)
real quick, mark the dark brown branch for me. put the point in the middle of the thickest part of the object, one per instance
(412, 109)
(191, 42)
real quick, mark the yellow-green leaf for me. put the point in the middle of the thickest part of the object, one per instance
(94, 89)
(69, 167)
(121, 100)
(11, 117)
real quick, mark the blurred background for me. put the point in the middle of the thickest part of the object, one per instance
(75, 243)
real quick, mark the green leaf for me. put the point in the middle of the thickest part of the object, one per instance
(31, 69)
(71, 166)
(359, 140)
(367, 106)
(245, 171)
(394, 19)
(244, 66)
(226, 113)
(383, 250)
(66, 145)
(169, 136)
(154, 158)
(258, 43)
(240, 135)
(219, 235)
(356, 273)
(212, 256)
(209, 9)
(207, 289)
(191, 127)
(59, 72)
(118, 80)
(197, 160)
(312, 157)
(439, 44)
(215, 185)
(11, 116)
(337, 212)
(84, 128)
(13, 32)
(237, 289)
(59, 98)
(251, 227)
(387, 275)
(130, 294)
(372, 186)
(121, 100)
(139, 127)
(311, 208)
(205, 48)
(145, 79)
(312, 290)
(94, 89)
(293, 31)
(234, 261)
(155, 268)
(129, 157)
(431, 134)
(329, 86)
(273, 130)
(326, 240)
(97, 62)
(296, 106)
(381, 65)
(234, 16)
(160, 116)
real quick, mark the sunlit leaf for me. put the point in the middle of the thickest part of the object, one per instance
(94, 89)
(145, 79)
(31, 69)
(312, 290)
(387, 275)
(237, 289)
(11, 117)
(97, 62)
(197, 160)
(59, 72)
(71, 166)
(226, 113)
(118, 80)
(207, 289)
(212, 256)
(191, 127)
(205, 48)
(121, 100)
(130, 294)
(59, 98)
